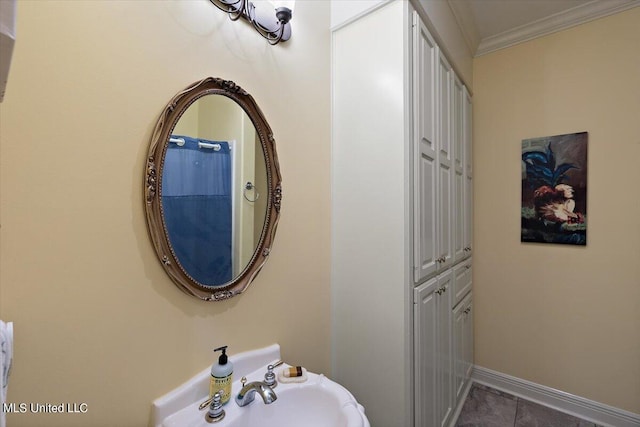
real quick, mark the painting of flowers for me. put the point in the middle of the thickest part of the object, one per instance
(554, 189)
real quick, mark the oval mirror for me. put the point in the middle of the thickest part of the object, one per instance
(212, 189)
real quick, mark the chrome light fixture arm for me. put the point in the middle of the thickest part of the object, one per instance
(235, 9)
(274, 31)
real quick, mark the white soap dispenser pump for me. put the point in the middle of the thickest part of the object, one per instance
(221, 376)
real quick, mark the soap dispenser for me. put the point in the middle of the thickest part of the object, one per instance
(221, 376)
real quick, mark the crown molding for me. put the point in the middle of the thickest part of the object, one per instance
(557, 22)
(466, 22)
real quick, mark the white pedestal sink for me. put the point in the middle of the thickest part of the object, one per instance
(318, 402)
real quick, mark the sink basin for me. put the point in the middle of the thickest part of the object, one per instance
(317, 402)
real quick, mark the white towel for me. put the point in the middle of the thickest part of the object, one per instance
(6, 358)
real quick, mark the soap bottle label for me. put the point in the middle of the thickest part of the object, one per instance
(223, 384)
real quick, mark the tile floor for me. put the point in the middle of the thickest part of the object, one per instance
(487, 407)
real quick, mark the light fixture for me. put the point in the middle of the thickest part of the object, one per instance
(274, 28)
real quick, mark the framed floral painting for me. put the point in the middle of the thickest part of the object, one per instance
(554, 189)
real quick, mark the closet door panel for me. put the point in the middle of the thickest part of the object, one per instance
(426, 234)
(445, 220)
(443, 108)
(425, 51)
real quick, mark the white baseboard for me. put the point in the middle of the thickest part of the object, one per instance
(599, 413)
(458, 408)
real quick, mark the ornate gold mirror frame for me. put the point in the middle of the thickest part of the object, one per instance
(153, 189)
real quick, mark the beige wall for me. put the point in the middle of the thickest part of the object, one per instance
(565, 317)
(96, 318)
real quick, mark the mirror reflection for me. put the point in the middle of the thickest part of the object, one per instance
(214, 190)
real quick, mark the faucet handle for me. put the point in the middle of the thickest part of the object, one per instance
(243, 380)
(206, 403)
(270, 377)
(211, 400)
(216, 413)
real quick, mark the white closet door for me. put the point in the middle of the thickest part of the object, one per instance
(468, 338)
(426, 251)
(463, 343)
(459, 348)
(433, 359)
(444, 359)
(444, 78)
(468, 172)
(459, 251)
(425, 342)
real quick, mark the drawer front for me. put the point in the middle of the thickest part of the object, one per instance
(462, 280)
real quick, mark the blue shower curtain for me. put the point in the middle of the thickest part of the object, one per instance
(196, 199)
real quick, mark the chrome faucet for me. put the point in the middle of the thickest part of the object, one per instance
(248, 393)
